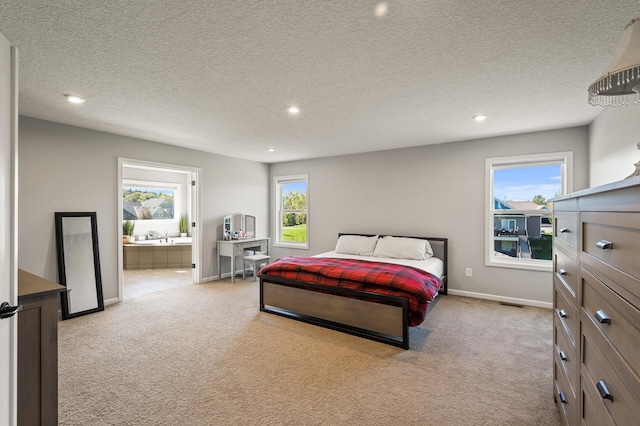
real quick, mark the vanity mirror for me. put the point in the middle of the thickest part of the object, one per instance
(250, 226)
(78, 263)
(238, 226)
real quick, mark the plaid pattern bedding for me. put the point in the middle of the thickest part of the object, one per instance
(418, 286)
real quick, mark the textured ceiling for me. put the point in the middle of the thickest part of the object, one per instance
(219, 75)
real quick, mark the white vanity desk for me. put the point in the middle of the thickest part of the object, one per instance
(234, 248)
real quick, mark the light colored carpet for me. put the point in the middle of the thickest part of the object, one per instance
(205, 355)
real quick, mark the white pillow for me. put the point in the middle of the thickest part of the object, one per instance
(403, 248)
(356, 244)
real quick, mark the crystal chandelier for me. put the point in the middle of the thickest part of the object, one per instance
(620, 83)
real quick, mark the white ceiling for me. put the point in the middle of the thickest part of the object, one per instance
(219, 75)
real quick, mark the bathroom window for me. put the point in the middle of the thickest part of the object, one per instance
(148, 200)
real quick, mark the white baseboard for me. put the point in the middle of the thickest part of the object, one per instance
(225, 275)
(249, 271)
(209, 279)
(217, 278)
(514, 300)
(111, 301)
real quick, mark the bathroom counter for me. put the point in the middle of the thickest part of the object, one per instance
(157, 256)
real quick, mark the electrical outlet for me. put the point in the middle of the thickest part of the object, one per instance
(468, 272)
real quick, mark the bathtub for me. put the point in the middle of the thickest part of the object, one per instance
(154, 254)
(165, 241)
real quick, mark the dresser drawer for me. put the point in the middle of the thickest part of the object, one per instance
(593, 412)
(566, 271)
(565, 313)
(568, 205)
(565, 355)
(614, 317)
(564, 397)
(565, 227)
(609, 372)
(620, 260)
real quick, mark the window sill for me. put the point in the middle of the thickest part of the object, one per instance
(292, 245)
(530, 266)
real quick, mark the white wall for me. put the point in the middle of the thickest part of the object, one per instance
(436, 191)
(613, 139)
(66, 168)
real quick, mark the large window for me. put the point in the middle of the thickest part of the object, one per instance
(292, 211)
(143, 200)
(519, 214)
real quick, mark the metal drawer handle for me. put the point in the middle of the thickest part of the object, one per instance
(604, 244)
(564, 230)
(562, 313)
(563, 356)
(602, 317)
(604, 391)
(562, 271)
(562, 397)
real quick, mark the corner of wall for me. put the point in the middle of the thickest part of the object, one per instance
(613, 138)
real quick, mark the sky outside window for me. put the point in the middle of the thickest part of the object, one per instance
(294, 186)
(146, 189)
(523, 183)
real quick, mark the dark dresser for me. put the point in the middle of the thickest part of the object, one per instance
(37, 350)
(596, 327)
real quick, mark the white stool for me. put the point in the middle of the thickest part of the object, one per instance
(254, 260)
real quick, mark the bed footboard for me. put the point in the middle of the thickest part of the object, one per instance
(373, 316)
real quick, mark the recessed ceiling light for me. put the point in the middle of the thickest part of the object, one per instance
(381, 10)
(271, 150)
(480, 117)
(74, 99)
(293, 110)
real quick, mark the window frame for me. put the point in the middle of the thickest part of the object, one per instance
(565, 159)
(278, 181)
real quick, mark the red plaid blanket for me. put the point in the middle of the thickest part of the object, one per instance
(418, 286)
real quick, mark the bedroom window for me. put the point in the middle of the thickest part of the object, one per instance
(292, 211)
(519, 215)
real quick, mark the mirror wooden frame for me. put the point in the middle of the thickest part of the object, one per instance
(75, 270)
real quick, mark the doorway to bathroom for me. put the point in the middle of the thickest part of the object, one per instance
(158, 221)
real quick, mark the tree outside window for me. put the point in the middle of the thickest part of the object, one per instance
(147, 203)
(292, 210)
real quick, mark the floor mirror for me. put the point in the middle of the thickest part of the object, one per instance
(78, 263)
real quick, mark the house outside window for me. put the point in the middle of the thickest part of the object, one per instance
(509, 224)
(149, 200)
(292, 211)
(519, 214)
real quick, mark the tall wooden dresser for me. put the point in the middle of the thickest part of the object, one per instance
(37, 350)
(596, 327)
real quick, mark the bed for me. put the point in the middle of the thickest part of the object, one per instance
(334, 290)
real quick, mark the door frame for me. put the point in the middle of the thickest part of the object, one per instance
(196, 214)
(9, 267)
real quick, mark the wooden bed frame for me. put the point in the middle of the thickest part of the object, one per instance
(373, 316)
